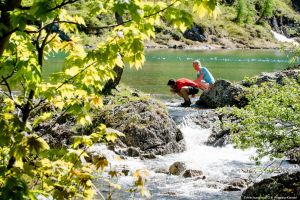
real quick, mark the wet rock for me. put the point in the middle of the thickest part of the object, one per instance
(162, 171)
(241, 183)
(282, 186)
(147, 127)
(213, 185)
(133, 152)
(231, 188)
(223, 93)
(190, 173)
(177, 168)
(170, 193)
(125, 172)
(216, 122)
(206, 119)
(148, 156)
(235, 185)
(284, 23)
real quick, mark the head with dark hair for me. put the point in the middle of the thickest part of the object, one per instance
(171, 82)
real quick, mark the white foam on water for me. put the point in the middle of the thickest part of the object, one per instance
(219, 164)
(282, 38)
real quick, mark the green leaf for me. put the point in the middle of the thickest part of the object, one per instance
(84, 140)
(35, 143)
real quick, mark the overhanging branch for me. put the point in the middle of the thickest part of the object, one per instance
(62, 4)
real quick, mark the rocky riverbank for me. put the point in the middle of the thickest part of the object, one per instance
(149, 130)
(225, 32)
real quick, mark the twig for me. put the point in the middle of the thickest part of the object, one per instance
(62, 4)
(71, 78)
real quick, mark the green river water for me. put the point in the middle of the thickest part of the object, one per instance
(162, 65)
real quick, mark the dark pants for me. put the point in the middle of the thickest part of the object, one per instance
(193, 90)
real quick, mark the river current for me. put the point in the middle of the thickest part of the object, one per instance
(220, 166)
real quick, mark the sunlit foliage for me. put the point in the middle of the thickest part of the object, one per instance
(271, 121)
(31, 31)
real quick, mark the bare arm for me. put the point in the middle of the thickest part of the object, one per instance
(200, 78)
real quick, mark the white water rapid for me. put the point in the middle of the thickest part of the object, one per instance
(282, 38)
(220, 165)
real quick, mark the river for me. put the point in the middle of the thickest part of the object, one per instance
(232, 65)
(219, 164)
(162, 65)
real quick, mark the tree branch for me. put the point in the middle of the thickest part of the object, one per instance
(130, 20)
(71, 78)
(62, 5)
(10, 95)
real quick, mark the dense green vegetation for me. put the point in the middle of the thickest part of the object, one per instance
(243, 24)
(271, 120)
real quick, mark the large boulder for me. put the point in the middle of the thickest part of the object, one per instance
(196, 33)
(147, 127)
(223, 93)
(285, 186)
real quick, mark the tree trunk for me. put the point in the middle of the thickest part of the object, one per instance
(112, 83)
(5, 34)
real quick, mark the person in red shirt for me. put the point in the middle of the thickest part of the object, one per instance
(184, 87)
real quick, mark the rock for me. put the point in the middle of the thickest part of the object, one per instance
(148, 156)
(196, 33)
(223, 93)
(231, 188)
(135, 94)
(177, 168)
(219, 139)
(213, 185)
(216, 122)
(147, 127)
(133, 152)
(272, 77)
(296, 4)
(241, 183)
(284, 23)
(57, 133)
(285, 186)
(190, 173)
(294, 155)
(162, 171)
(235, 185)
(125, 172)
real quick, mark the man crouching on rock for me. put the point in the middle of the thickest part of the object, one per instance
(184, 87)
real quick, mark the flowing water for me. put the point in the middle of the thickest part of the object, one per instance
(220, 166)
